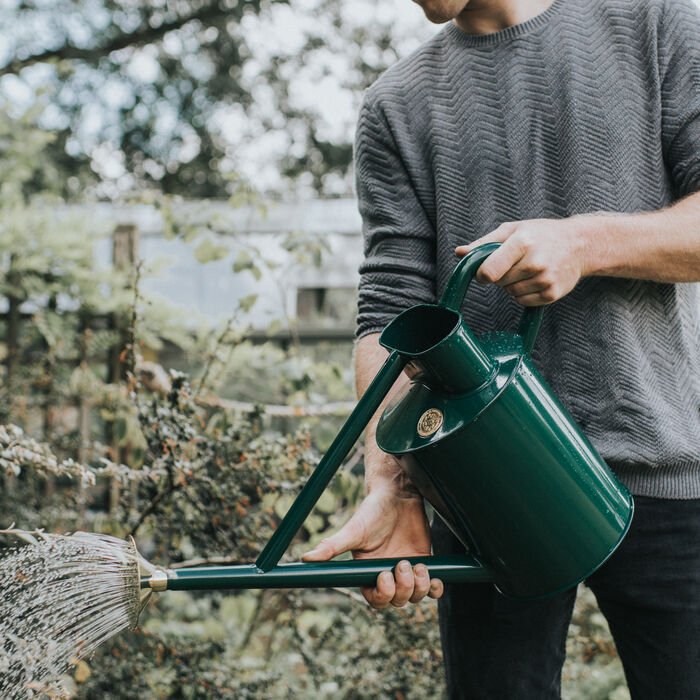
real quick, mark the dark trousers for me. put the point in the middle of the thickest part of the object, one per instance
(649, 590)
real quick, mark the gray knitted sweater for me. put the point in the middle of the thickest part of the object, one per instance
(590, 106)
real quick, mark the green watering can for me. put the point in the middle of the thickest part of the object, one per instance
(487, 444)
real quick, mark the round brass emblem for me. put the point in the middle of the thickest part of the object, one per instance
(429, 422)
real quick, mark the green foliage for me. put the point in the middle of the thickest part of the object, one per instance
(306, 249)
(207, 251)
(201, 482)
(151, 77)
(66, 309)
(166, 95)
(214, 473)
(245, 261)
(214, 485)
(275, 645)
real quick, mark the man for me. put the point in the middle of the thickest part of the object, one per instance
(570, 132)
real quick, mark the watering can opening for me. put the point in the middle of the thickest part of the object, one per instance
(439, 348)
(419, 329)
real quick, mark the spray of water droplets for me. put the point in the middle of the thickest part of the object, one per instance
(60, 598)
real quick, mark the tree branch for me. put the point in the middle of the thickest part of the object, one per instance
(140, 37)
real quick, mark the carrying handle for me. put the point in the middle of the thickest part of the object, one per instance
(458, 284)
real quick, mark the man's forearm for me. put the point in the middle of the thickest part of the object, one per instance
(381, 469)
(663, 246)
(542, 260)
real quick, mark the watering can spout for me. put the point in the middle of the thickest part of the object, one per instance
(349, 573)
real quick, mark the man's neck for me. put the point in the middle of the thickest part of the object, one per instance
(488, 16)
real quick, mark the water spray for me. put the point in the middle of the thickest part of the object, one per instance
(60, 598)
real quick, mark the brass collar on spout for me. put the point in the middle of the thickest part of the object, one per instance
(158, 580)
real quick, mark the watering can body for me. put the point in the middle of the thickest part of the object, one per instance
(488, 445)
(509, 472)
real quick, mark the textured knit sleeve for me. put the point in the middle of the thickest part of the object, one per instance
(679, 65)
(398, 270)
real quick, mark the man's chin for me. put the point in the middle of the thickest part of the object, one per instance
(437, 13)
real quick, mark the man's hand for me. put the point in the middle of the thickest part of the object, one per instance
(386, 524)
(541, 260)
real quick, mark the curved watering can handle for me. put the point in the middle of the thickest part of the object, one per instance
(462, 277)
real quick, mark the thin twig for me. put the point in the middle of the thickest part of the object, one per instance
(252, 625)
(332, 408)
(204, 561)
(151, 507)
(212, 355)
(350, 594)
(355, 458)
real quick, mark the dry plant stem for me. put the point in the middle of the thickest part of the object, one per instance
(314, 669)
(205, 561)
(201, 384)
(332, 408)
(348, 592)
(133, 323)
(259, 606)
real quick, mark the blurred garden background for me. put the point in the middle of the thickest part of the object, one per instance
(178, 259)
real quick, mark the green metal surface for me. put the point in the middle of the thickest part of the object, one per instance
(358, 572)
(458, 410)
(519, 485)
(488, 445)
